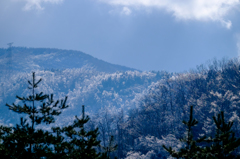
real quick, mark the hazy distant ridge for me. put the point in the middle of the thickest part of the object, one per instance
(25, 59)
(83, 78)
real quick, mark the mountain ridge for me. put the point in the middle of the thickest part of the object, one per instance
(28, 59)
(83, 78)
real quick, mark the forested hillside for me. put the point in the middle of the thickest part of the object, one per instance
(158, 118)
(141, 110)
(82, 86)
(84, 79)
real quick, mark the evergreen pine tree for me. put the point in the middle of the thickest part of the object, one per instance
(4, 131)
(110, 148)
(81, 143)
(222, 146)
(224, 143)
(191, 149)
(24, 140)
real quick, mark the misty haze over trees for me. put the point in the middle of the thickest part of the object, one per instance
(137, 111)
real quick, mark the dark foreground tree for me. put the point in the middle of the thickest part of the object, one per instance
(221, 146)
(110, 148)
(190, 150)
(25, 141)
(79, 143)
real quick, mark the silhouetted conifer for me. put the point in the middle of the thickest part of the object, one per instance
(222, 146)
(224, 142)
(79, 142)
(24, 140)
(190, 150)
(110, 148)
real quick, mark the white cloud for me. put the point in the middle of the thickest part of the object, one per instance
(37, 4)
(202, 10)
(126, 11)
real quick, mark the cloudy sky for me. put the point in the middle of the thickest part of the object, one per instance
(172, 35)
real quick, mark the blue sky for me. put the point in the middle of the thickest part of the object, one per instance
(147, 35)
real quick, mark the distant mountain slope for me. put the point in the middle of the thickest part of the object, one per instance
(142, 110)
(83, 78)
(27, 59)
(83, 86)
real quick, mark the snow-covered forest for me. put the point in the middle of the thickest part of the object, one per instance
(141, 110)
(159, 112)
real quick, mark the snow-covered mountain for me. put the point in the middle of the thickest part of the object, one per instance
(158, 102)
(27, 59)
(83, 78)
